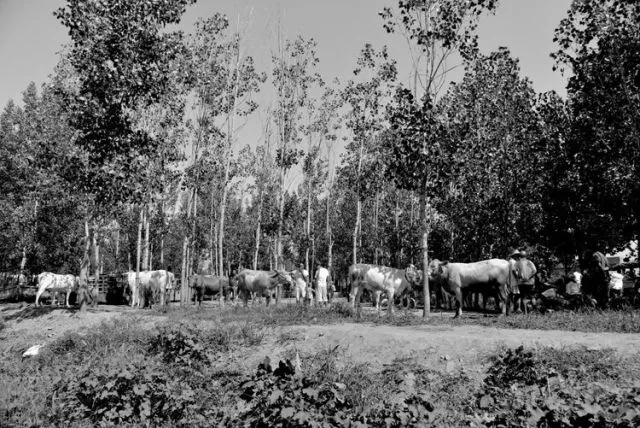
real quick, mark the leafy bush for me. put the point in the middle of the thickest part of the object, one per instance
(181, 345)
(252, 335)
(342, 309)
(140, 392)
(517, 366)
(280, 398)
(557, 388)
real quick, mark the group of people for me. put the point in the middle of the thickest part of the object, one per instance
(595, 280)
(321, 287)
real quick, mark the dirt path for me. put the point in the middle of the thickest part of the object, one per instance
(26, 325)
(445, 347)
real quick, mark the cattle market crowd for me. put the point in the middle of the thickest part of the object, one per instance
(511, 285)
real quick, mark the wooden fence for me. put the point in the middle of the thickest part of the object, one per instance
(111, 287)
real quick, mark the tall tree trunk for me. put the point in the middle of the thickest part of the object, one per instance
(145, 257)
(396, 229)
(135, 297)
(376, 211)
(85, 266)
(329, 232)
(213, 255)
(117, 264)
(411, 220)
(183, 275)
(258, 231)
(308, 225)
(426, 222)
(162, 227)
(278, 254)
(229, 153)
(96, 255)
(192, 253)
(356, 229)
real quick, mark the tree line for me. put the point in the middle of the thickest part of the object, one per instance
(129, 156)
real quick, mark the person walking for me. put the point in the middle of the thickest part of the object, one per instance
(526, 273)
(322, 278)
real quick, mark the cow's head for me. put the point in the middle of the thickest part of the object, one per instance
(282, 277)
(437, 269)
(413, 275)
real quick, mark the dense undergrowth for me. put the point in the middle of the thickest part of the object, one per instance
(190, 373)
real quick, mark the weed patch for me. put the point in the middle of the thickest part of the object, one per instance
(281, 398)
(557, 388)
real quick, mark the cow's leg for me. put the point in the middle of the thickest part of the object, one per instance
(376, 301)
(38, 294)
(458, 302)
(390, 293)
(484, 304)
(503, 298)
(67, 299)
(352, 295)
(356, 300)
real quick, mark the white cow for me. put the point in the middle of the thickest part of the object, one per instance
(56, 284)
(378, 279)
(153, 284)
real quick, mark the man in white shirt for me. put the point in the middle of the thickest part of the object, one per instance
(322, 277)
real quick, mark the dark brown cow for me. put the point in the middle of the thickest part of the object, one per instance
(261, 282)
(209, 285)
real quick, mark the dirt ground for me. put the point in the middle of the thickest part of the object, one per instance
(444, 347)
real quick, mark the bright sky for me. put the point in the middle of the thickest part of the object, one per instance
(30, 37)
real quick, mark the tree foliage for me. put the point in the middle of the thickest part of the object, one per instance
(598, 43)
(124, 60)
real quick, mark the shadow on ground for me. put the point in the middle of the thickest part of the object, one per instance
(29, 312)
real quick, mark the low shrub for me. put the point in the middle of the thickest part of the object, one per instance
(342, 309)
(143, 392)
(281, 398)
(557, 388)
(182, 345)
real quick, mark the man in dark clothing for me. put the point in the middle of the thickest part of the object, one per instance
(596, 278)
(526, 274)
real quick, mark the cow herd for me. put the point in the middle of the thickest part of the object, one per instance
(488, 277)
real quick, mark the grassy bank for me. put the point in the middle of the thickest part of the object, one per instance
(185, 368)
(594, 321)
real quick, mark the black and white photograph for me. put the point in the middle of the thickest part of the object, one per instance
(305, 213)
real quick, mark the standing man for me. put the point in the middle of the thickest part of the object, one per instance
(322, 277)
(526, 272)
(301, 279)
